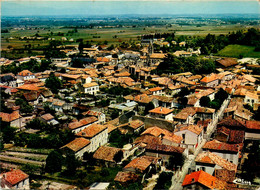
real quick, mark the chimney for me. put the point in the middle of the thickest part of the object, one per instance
(83, 133)
(161, 109)
(192, 180)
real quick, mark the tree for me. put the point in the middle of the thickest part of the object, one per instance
(114, 114)
(176, 160)
(72, 163)
(164, 181)
(204, 101)
(221, 95)
(24, 106)
(149, 107)
(54, 162)
(118, 156)
(54, 83)
(183, 101)
(7, 132)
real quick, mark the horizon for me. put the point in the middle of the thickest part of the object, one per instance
(116, 8)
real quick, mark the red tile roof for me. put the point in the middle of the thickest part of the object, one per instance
(106, 153)
(164, 148)
(9, 117)
(193, 128)
(126, 177)
(15, 176)
(203, 178)
(211, 158)
(139, 163)
(155, 89)
(209, 78)
(148, 139)
(82, 122)
(161, 110)
(25, 73)
(29, 87)
(135, 124)
(217, 145)
(91, 131)
(253, 125)
(77, 144)
(47, 117)
(227, 62)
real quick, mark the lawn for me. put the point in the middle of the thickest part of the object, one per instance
(239, 50)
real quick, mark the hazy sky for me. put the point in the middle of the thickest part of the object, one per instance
(35, 8)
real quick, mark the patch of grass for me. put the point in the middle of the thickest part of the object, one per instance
(238, 50)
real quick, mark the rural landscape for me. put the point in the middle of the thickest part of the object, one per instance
(130, 95)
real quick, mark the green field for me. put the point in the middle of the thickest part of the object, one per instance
(238, 51)
(122, 33)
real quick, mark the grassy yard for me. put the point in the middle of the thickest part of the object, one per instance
(237, 50)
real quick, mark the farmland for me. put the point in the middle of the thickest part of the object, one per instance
(238, 51)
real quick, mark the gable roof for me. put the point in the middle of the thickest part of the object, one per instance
(209, 78)
(164, 148)
(184, 113)
(227, 62)
(82, 122)
(91, 131)
(77, 144)
(155, 89)
(161, 110)
(125, 177)
(229, 122)
(253, 125)
(15, 176)
(203, 178)
(140, 163)
(148, 139)
(47, 117)
(106, 153)
(25, 73)
(211, 158)
(135, 124)
(193, 128)
(221, 146)
(157, 131)
(9, 117)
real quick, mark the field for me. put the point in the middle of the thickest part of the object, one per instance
(99, 35)
(238, 50)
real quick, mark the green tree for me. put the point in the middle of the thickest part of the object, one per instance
(72, 163)
(54, 162)
(164, 181)
(114, 114)
(53, 83)
(118, 156)
(175, 161)
(7, 132)
(24, 106)
(204, 101)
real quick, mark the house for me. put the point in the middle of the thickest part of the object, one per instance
(14, 118)
(202, 180)
(212, 164)
(78, 146)
(126, 177)
(78, 126)
(96, 134)
(161, 112)
(108, 155)
(251, 98)
(57, 104)
(123, 107)
(25, 75)
(164, 151)
(156, 91)
(142, 164)
(165, 137)
(37, 97)
(165, 101)
(192, 135)
(211, 80)
(226, 62)
(252, 130)
(230, 131)
(227, 151)
(48, 118)
(144, 140)
(14, 179)
(101, 116)
(132, 127)
(91, 88)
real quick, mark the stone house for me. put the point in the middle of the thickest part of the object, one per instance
(14, 179)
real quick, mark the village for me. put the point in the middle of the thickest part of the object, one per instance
(113, 118)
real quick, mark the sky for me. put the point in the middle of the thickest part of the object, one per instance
(116, 7)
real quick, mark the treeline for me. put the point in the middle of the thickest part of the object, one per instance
(173, 64)
(159, 35)
(212, 43)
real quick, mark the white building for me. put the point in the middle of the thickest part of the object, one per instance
(251, 98)
(15, 179)
(161, 112)
(91, 88)
(192, 135)
(25, 75)
(96, 134)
